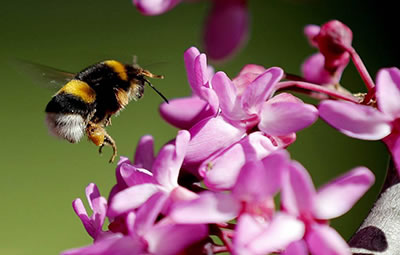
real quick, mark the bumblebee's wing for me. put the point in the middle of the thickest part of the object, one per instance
(46, 76)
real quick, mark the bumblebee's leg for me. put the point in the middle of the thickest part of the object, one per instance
(107, 121)
(110, 142)
(97, 134)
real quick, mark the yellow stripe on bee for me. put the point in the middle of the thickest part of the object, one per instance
(80, 89)
(118, 67)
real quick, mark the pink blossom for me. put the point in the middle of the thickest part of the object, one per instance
(333, 39)
(163, 178)
(226, 28)
(367, 122)
(256, 106)
(220, 171)
(251, 105)
(98, 204)
(251, 200)
(300, 199)
(186, 112)
(143, 160)
(142, 234)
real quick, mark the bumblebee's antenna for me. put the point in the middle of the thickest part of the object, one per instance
(158, 92)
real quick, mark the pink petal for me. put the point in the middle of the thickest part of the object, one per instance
(172, 239)
(388, 91)
(247, 229)
(134, 176)
(260, 89)
(220, 171)
(181, 193)
(298, 192)
(131, 198)
(358, 121)
(169, 161)
(226, 28)
(120, 185)
(200, 73)
(147, 214)
(185, 112)
(311, 31)
(246, 76)
(253, 69)
(284, 140)
(220, 207)
(130, 223)
(393, 143)
(296, 248)
(337, 197)
(313, 69)
(92, 192)
(322, 239)
(260, 180)
(282, 230)
(112, 245)
(209, 95)
(144, 155)
(209, 136)
(155, 7)
(189, 56)
(228, 99)
(283, 118)
(80, 210)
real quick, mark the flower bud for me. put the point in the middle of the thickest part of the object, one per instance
(334, 40)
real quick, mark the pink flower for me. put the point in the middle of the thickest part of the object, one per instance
(256, 106)
(245, 108)
(142, 234)
(226, 28)
(185, 112)
(315, 208)
(333, 39)
(221, 170)
(163, 178)
(143, 159)
(94, 223)
(251, 200)
(367, 122)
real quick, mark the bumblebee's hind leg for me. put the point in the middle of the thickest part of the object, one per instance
(110, 142)
(98, 135)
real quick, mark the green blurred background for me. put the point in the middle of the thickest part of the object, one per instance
(41, 175)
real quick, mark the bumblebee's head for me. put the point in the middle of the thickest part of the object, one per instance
(136, 73)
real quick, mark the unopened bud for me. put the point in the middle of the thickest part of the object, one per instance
(334, 40)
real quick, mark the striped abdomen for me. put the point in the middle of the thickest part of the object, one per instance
(70, 109)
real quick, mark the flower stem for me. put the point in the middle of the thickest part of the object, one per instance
(317, 88)
(362, 70)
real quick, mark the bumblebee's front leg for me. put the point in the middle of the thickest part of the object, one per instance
(98, 135)
(107, 121)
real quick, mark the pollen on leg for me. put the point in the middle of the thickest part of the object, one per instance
(98, 135)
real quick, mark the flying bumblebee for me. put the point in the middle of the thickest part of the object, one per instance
(88, 99)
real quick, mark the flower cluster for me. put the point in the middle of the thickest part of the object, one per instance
(226, 27)
(222, 173)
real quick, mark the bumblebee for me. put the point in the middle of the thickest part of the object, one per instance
(85, 104)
